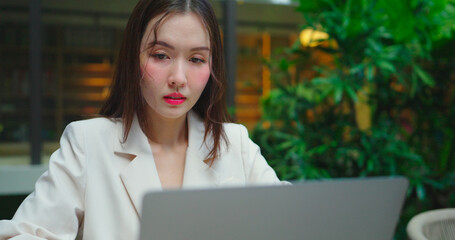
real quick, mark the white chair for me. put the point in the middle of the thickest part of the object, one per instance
(433, 225)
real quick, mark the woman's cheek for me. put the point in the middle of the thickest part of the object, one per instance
(203, 76)
(147, 69)
(153, 74)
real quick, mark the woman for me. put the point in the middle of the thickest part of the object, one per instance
(164, 127)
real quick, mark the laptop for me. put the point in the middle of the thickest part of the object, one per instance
(354, 209)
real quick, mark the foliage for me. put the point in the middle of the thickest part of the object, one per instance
(381, 72)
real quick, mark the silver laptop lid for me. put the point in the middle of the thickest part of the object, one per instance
(354, 209)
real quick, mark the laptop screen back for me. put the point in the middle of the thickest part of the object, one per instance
(355, 209)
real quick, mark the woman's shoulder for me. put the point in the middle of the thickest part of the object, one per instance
(92, 133)
(95, 125)
(233, 127)
(235, 131)
(97, 122)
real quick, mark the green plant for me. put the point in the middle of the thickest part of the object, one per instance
(377, 108)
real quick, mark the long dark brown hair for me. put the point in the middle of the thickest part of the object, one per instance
(125, 97)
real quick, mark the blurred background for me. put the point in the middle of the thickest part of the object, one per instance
(79, 46)
(328, 88)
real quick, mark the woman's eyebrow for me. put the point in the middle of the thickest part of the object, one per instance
(164, 44)
(200, 49)
(167, 45)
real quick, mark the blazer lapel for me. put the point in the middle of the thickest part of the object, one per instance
(140, 175)
(197, 173)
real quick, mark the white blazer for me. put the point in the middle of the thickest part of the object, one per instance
(95, 183)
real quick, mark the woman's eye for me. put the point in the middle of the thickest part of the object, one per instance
(197, 60)
(160, 56)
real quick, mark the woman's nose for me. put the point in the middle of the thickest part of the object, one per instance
(177, 77)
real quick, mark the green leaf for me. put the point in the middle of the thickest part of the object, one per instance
(391, 52)
(357, 68)
(370, 165)
(420, 189)
(318, 150)
(370, 73)
(322, 80)
(309, 6)
(326, 93)
(387, 66)
(347, 13)
(284, 64)
(285, 145)
(374, 45)
(427, 79)
(434, 183)
(338, 94)
(351, 93)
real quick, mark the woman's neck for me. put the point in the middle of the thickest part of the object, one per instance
(168, 132)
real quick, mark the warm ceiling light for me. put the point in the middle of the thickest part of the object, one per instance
(312, 38)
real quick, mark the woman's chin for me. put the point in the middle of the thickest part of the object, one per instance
(171, 114)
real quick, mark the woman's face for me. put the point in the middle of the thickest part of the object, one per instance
(175, 66)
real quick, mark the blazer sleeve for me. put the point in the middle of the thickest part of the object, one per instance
(257, 170)
(55, 209)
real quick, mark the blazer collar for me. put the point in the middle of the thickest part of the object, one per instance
(141, 176)
(137, 142)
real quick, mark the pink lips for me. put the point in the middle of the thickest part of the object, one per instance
(175, 98)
